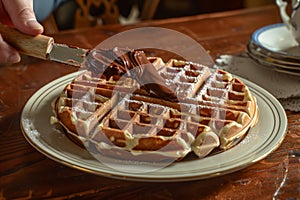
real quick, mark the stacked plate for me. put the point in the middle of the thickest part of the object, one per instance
(273, 46)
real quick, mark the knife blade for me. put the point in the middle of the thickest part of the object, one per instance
(43, 47)
(67, 54)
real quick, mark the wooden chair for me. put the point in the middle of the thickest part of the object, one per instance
(149, 9)
(91, 13)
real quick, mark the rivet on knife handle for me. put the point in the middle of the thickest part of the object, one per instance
(37, 46)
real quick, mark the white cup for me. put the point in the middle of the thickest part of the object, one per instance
(292, 22)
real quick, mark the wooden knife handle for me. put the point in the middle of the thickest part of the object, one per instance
(37, 46)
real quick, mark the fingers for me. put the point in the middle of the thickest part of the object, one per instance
(22, 16)
(8, 55)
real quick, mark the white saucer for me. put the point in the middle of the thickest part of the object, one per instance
(274, 47)
(273, 65)
(282, 66)
(286, 63)
(278, 41)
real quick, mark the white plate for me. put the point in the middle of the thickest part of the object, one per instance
(261, 140)
(285, 63)
(277, 39)
(273, 63)
(274, 66)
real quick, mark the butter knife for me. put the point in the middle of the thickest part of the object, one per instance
(43, 47)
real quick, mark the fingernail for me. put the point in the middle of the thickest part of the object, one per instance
(14, 58)
(33, 24)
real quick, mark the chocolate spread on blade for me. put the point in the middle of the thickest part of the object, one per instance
(109, 62)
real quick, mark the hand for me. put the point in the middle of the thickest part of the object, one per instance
(20, 15)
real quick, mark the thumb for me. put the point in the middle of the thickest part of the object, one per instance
(22, 16)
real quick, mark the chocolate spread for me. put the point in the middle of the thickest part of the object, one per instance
(132, 63)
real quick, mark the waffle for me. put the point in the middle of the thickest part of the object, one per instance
(117, 117)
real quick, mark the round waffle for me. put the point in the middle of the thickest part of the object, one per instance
(118, 116)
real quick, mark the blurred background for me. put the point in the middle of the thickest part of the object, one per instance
(75, 13)
(173, 8)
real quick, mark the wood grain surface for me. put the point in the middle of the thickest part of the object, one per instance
(27, 174)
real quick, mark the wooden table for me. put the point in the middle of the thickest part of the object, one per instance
(26, 173)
